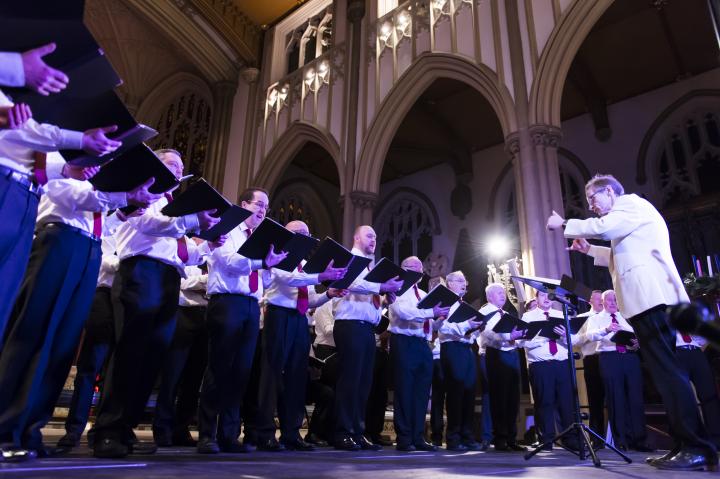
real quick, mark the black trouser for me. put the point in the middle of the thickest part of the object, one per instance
(412, 377)
(503, 369)
(145, 296)
(378, 398)
(595, 393)
(47, 321)
(182, 374)
(552, 391)
(18, 210)
(486, 422)
(657, 343)
(437, 403)
(284, 373)
(458, 363)
(250, 404)
(232, 322)
(695, 364)
(355, 342)
(322, 393)
(97, 342)
(622, 377)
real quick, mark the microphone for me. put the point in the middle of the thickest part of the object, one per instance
(695, 318)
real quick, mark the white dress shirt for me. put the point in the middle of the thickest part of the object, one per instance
(229, 272)
(489, 337)
(596, 330)
(406, 318)
(358, 305)
(17, 146)
(282, 289)
(324, 322)
(12, 72)
(109, 263)
(155, 235)
(73, 202)
(436, 349)
(456, 331)
(193, 287)
(587, 347)
(538, 348)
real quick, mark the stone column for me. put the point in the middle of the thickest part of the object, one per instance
(250, 75)
(364, 203)
(223, 94)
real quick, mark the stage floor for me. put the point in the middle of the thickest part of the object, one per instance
(329, 463)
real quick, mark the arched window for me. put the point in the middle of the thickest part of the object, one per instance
(298, 200)
(184, 126)
(405, 226)
(309, 41)
(290, 208)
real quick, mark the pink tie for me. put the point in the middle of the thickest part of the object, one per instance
(426, 324)
(618, 347)
(182, 249)
(686, 337)
(553, 343)
(302, 299)
(97, 224)
(253, 274)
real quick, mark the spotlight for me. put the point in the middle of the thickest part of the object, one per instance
(497, 246)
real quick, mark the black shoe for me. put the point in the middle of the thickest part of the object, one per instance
(437, 442)
(18, 454)
(405, 448)
(668, 455)
(641, 447)
(110, 449)
(425, 446)
(547, 448)
(688, 461)
(315, 440)
(297, 445)
(42, 451)
(473, 446)
(69, 441)
(270, 445)
(381, 441)
(516, 448)
(367, 445)
(207, 446)
(501, 447)
(457, 447)
(162, 439)
(142, 448)
(347, 444)
(484, 445)
(183, 439)
(235, 447)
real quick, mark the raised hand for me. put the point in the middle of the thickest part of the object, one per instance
(392, 285)
(78, 172)
(336, 293)
(14, 117)
(95, 141)
(439, 311)
(219, 241)
(207, 220)
(581, 245)
(555, 221)
(612, 327)
(38, 75)
(141, 195)
(332, 274)
(517, 333)
(274, 258)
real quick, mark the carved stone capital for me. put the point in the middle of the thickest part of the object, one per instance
(249, 75)
(546, 135)
(512, 145)
(364, 199)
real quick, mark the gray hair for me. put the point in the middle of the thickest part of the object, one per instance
(601, 181)
(455, 275)
(492, 286)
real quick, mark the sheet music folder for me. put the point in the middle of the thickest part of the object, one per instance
(132, 169)
(298, 249)
(130, 139)
(356, 266)
(386, 270)
(465, 312)
(199, 196)
(329, 249)
(623, 338)
(269, 232)
(232, 217)
(439, 294)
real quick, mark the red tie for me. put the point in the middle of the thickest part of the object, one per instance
(97, 224)
(40, 169)
(182, 249)
(377, 301)
(302, 298)
(253, 274)
(618, 347)
(553, 343)
(426, 324)
(686, 337)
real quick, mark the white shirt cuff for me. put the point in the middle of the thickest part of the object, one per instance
(11, 71)
(70, 140)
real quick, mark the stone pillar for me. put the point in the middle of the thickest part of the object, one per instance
(364, 203)
(250, 75)
(223, 94)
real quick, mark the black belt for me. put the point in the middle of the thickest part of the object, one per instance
(688, 347)
(80, 231)
(22, 178)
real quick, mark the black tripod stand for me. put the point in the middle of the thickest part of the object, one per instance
(561, 292)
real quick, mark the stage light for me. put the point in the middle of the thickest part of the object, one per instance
(497, 247)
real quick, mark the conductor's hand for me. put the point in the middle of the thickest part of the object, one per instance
(206, 219)
(78, 172)
(392, 285)
(517, 333)
(38, 75)
(274, 258)
(141, 195)
(336, 293)
(332, 274)
(438, 310)
(612, 327)
(555, 221)
(95, 142)
(581, 245)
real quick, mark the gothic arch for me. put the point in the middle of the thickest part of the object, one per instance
(288, 146)
(415, 195)
(418, 77)
(154, 105)
(557, 56)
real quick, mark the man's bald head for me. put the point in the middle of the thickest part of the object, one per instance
(412, 263)
(365, 239)
(297, 226)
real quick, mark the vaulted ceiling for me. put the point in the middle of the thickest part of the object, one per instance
(266, 12)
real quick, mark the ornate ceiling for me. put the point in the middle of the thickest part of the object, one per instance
(266, 12)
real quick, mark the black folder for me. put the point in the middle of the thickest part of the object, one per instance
(464, 312)
(232, 217)
(386, 270)
(439, 294)
(132, 169)
(329, 249)
(576, 323)
(298, 249)
(268, 233)
(546, 328)
(199, 196)
(623, 338)
(508, 322)
(130, 139)
(356, 266)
